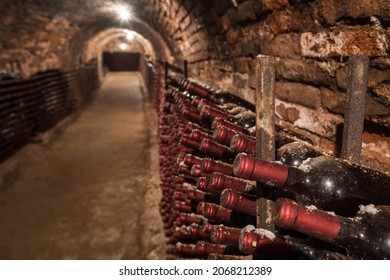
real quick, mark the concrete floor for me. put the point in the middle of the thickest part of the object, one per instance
(91, 191)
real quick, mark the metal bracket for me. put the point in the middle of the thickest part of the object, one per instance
(355, 108)
(265, 134)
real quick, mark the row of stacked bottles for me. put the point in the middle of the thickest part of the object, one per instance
(325, 208)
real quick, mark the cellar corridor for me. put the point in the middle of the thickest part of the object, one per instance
(179, 129)
(79, 191)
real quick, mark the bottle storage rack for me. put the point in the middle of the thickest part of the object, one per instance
(31, 106)
(225, 197)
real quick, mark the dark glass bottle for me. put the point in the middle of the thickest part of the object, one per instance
(197, 232)
(218, 182)
(201, 183)
(196, 135)
(366, 236)
(200, 196)
(312, 253)
(191, 160)
(233, 200)
(294, 153)
(209, 166)
(189, 219)
(245, 119)
(217, 150)
(223, 135)
(264, 244)
(190, 126)
(189, 143)
(329, 183)
(217, 122)
(196, 172)
(225, 235)
(206, 248)
(291, 154)
(243, 144)
(228, 217)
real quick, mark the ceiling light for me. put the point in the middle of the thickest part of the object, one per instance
(129, 36)
(123, 13)
(123, 46)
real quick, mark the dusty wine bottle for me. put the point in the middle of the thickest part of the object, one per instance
(218, 182)
(329, 183)
(200, 196)
(189, 219)
(366, 236)
(264, 244)
(228, 217)
(190, 160)
(233, 200)
(223, 135)
(225, 235)
(217, 150)
(209, 166)
(238, 129)
(294, 153)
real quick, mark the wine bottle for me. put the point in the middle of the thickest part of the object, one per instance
(183, 169)
(200, 196)
(196, 135)
(209, 166)
(191, 160)
(329, 183)
(201, 183)
(233, 200)
(189, 143)
(189, 219)
(291, 154)
(217, 122)
(196, 232)
(243, 144)
(245, 119)
(192, 126)
(366, 236)
(312, 253)
(294, 153)
(225, 235)
(218, 182)
(196, 172)
(223, 135)
(228, 217)
(219, 151)
(264, 244)
(205, 248)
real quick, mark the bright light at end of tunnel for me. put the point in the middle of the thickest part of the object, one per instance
(123, 46)
(129, 36)
(123, 13)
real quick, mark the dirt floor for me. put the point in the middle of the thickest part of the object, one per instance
(90, 190)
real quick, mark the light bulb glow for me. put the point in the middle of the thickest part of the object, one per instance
(129, 36)
(123, 46)
(123, 13)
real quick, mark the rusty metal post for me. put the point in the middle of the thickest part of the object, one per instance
(355, 108)
(265, 134)
(185, 69)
